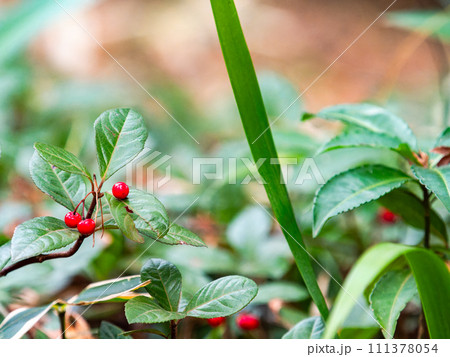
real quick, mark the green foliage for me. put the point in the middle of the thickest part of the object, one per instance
(436, 180)
(108, 331)
(353, 188)
(311, 328)
(390, 296)
(145, 310)
(286, 291)
(5, 254)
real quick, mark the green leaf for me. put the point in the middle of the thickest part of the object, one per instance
(180, 235)
(108, 331)
(390, 296)
(410, 208)
(140, 215)
(311, 328)
(120, 135)
(444, 138)
(145, 310)
(20, 321)
(371, 118)
(108, 289)
(353, 188)
(5, 255)
(436, 180)
(65, 188)
(40, 235)
(222, 297)
(62, 159)
(165, 284)
(259, 136)
(430, 273)
(283, 290)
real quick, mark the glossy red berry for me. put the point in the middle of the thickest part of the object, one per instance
(216, 321)
(247, 321)
(72, 219)
(86, 226)
(120, 190)
(387, 216)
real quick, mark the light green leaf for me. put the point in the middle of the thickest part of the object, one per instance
(410, 208)
(40, 235)
(180, 235)
(5, 254)
(430, 273)
(140, 215)
(283, 290)
(108, 289)
(444, 138)
(353, 188)
(165, 284)
(390, 296)
(222, 297)
(108, 331)
(120, 135)
(62, 159)
(65, 188)
(20, 321)
(311, 328)
(436, 180)
(371, 118)
(145, 310)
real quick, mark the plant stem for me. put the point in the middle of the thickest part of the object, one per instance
(43, 257)
(62, 322)
(173, 329)
(427, 209)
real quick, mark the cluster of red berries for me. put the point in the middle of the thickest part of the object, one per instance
(245, 321)
(386, 216)
(87, 226)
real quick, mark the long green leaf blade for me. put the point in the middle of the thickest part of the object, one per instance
(259, 136)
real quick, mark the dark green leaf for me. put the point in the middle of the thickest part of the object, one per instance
(430, 273)
(62, 159)
(108, 290)
(371, 118)
(311, 328)
(108, 331)
(120, 135)
(410, 208)
(222, 297)
(283, 290)
(40, 235)
(390, 296)
(20, 321)
(353, 188)
(259, 136)
(165, 284)
(145, 310)
(65, 188)
(436, 180)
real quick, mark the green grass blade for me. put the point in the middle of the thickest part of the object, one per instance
(259, 136)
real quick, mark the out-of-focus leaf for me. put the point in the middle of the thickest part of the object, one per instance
(353, 188)
(390, 296)
(120, 135)
(437, 180)
(65, 188)
(62, 159)
(444, 138)
(20, 321)
(108, 290)
(311, 328)
(145, 310)
(430, 273)
(222, 297)
(108, 331)
(410, 208)
(40, 235)
(165, 284)
(282, 290)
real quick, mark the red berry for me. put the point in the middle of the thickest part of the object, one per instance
(86, 227)
(72, 219)
(216, 321)
(387, 216)
(247, 321)
(120, 190)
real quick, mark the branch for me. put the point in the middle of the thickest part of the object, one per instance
(43, 257)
